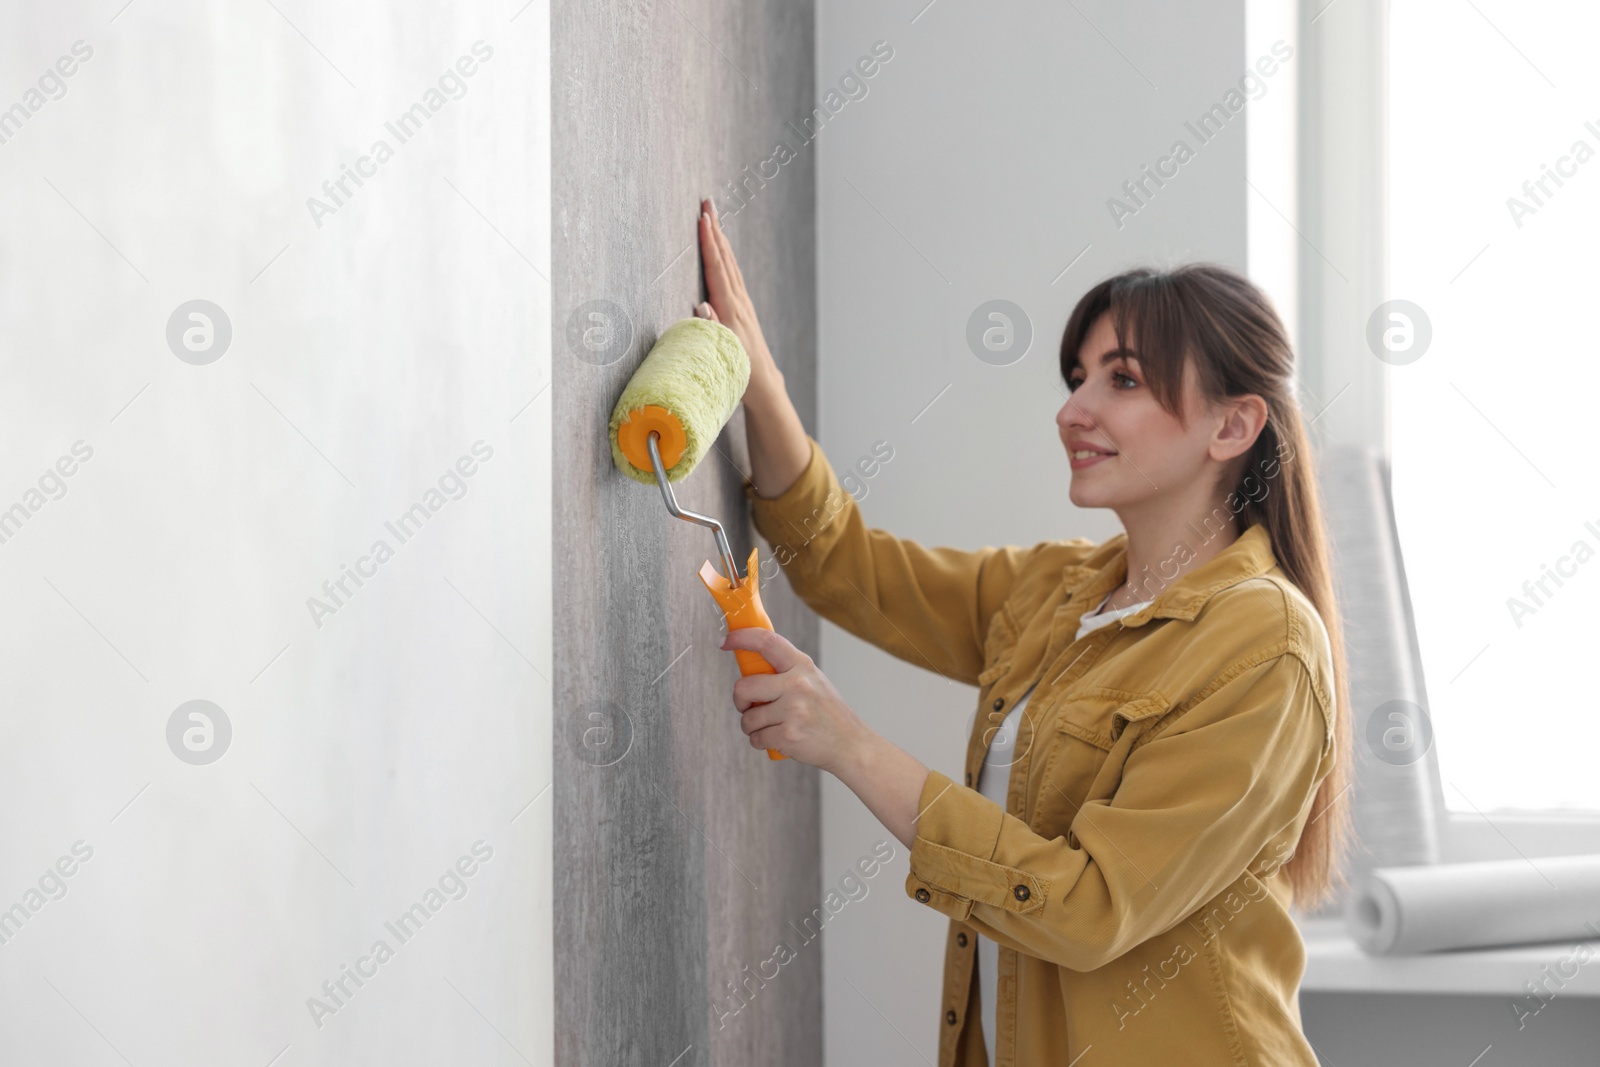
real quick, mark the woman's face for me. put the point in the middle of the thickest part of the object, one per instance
(1144, 458)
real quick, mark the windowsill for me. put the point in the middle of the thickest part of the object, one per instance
(1466, 836)
(1334, 964)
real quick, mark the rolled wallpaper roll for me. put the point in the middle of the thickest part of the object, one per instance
(1404, 910)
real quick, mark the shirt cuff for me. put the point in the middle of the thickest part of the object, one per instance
(951, 865)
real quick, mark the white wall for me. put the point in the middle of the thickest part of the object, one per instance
(370, 752)
(977, 167)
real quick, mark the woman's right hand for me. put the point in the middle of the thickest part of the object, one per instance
(730, 302)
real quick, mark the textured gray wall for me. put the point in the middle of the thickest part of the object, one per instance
(683, 856)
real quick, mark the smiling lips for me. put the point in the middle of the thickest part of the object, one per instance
(1086, 455)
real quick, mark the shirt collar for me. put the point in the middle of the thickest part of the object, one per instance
(1249, 556)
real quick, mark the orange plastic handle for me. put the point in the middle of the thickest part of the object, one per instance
(741, 604)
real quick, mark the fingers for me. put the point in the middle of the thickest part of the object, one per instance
(724, 251)
(730, 261)
(755, 689)
(730, 301)
(763, 727)
(774, 647)
(760, 717)
(718, 283)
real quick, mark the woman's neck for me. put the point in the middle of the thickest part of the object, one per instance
(1159, 556)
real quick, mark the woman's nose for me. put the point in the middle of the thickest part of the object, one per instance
(1075, 412)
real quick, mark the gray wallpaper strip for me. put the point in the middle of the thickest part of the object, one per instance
(684, 858)
(1393, 798)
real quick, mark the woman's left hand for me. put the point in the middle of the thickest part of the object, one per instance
(797, 710)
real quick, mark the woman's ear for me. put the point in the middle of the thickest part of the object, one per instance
(1243, 419)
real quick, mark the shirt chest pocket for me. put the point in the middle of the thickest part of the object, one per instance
(1083, 730)
(1098, 715)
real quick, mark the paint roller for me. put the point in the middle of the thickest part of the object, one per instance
(668, 415)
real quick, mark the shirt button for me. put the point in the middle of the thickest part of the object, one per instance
(922, 896)
(950, 1017)
(999, 702)
(1020, 892)
(961, 939)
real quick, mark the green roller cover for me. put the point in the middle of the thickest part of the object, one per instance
(697, 370)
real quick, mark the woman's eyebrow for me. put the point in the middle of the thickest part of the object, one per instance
(1113, 354)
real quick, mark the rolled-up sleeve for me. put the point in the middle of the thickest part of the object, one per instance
(928, 606)
(1197, 803)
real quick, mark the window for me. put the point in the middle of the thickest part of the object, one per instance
(1494, 145)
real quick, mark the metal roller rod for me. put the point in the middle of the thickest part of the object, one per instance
(690, 516)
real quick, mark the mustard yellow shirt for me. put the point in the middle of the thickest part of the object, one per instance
(1168, 762)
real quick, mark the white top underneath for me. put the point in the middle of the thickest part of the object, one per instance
(994, 776)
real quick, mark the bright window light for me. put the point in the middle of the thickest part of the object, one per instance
(1494, 217)
(1271, 167)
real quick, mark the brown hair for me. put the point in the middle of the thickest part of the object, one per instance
(1212, 317)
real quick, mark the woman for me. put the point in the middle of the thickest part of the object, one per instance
(1159, 767)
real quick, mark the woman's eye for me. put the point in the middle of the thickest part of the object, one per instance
(1073, 383)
